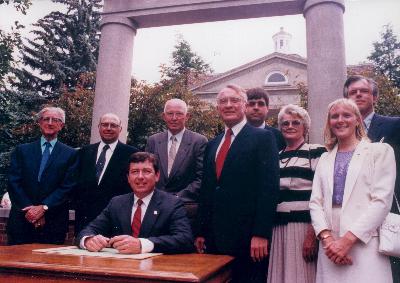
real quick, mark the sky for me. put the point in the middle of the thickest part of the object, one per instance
(228, 44)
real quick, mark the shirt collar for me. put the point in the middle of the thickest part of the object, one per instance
(238, 127)
(146, 200)
(43, 141)
(111, 145)
(262, 126)
(178, 135)
(368, 119)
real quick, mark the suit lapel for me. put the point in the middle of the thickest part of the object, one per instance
(181, 154)
(162, 149)
(115, 158)
(126, 221)
(92, 152)
(151, 215)
(213, 152)
(354, 170)
(330, 168)
(37, 156)
(375, 129)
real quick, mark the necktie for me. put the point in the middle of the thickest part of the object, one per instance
(101, 161)
(137, 219)
(223, 151)
(172, 153)
(45, 158)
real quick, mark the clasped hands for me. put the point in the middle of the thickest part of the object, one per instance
(337, 249)
(35, 214)
(125, 244)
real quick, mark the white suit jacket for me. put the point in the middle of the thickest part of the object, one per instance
(368, 191)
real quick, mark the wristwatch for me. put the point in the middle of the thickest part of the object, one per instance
(45, 207)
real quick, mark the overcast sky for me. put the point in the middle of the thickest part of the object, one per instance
(225, 45)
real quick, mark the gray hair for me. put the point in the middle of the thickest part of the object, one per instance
(355, 78)
(53, 109)
(292, 109)
(176, 101)
(239, 90)
(111, 115)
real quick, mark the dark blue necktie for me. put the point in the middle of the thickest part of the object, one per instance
(45, 158)
(101, 161)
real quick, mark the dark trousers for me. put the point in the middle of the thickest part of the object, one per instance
(246, 270)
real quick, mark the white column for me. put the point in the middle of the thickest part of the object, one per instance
(326, 63)
(113, 75)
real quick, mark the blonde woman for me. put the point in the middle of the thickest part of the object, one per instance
(352, 194)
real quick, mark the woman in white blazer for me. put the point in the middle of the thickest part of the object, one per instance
(351, 196)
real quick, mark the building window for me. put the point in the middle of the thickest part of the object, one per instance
(276, 78)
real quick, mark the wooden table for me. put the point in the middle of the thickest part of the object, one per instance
(20, 264)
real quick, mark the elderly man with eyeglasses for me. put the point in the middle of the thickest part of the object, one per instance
(102, 172)
(41, 176)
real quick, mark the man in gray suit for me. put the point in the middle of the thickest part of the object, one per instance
(180, 152)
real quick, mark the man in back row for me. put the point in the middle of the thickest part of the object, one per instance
(147, 220)
(102, 171)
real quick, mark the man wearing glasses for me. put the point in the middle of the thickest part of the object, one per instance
(102, 172)
(180, 152)
(40, 178)
(239, 190)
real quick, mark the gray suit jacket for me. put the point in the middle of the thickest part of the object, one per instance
(187, 170)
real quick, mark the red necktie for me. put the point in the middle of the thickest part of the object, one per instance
(223, 151)
(137, 219)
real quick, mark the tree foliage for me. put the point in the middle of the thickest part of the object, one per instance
(386, 55)
(64, 46)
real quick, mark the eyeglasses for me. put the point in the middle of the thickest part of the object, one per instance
(359, 91)
(178, 115)
(111, 125)
(293, 123)
(51, 120)
(258, 103)
(232, 100)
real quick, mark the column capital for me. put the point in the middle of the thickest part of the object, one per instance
(114, 19)
(312, 3)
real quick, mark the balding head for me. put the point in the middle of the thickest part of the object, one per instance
(109, 127)
(175, 115)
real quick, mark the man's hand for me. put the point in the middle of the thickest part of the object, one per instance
(258, 248)
(200, 245)
(310, 245)
(126, 244)
(40, 223)
(33, 213)
(96, 243)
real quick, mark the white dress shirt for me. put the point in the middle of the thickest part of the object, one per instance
(109, 153)
(235, 129)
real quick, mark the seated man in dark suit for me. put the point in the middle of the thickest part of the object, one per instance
(146, 220)
(257, 111)
(41, 178)
(102, 169)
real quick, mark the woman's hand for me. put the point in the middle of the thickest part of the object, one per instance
(310, 245)
(337, 250)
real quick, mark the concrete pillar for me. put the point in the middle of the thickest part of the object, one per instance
(113, 77)
(326, 63)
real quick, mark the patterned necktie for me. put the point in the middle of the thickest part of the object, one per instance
(223, 152)
(101, 161)
(137, 219)
(172, 153)
(45, 158)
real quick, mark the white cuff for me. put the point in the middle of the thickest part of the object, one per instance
(147, 245)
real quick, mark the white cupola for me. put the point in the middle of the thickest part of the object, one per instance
(282, 41)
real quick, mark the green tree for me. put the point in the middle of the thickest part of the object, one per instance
(64, 46)
(386, 55)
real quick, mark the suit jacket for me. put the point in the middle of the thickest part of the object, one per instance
(165, 222)
(367, 195)
(187, 170)
(57, 182)
(241, 204)
(280, 141)
(388, 128)
(92, 198)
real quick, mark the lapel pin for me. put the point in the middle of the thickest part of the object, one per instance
(155, 212)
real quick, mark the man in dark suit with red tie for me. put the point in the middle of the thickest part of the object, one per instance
(239, 190)
(146, 220)
(102, 171)
(41, 178)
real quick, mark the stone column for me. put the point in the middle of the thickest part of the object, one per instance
(326, 64)
(113, 75)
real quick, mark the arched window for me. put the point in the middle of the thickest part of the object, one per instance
(276, 78)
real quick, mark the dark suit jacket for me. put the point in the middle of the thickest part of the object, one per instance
(187, 170)
(280, 141)
(165, 222)
(92, 198)
(57, 182)
(242, 203)
(388, 128)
